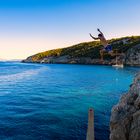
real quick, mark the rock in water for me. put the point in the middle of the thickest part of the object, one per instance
(125, 116)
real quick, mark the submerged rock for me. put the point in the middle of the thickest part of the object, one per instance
(125, 116)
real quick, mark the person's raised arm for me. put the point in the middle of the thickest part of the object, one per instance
(100, 31)
(94, 37)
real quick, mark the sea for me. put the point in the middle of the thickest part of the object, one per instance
(51, 101)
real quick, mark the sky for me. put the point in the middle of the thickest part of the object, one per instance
(31, 26)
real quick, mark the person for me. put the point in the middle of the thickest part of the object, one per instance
(107, 47)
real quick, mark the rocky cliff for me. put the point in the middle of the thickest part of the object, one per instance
(132, 56)
(125, 116)
(88, 53)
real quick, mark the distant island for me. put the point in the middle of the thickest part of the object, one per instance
(88, 53)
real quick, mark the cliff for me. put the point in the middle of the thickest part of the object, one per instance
(88, 53)
(125, 117)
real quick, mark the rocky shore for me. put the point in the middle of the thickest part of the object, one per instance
(68, 60)
(125, 116)
(131, 58)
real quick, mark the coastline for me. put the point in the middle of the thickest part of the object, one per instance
(88, 53)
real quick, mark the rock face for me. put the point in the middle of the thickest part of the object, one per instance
(125, 116)
(69, 60)
(78, 60)
(133, 56)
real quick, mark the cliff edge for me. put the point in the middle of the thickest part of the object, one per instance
(125, 116)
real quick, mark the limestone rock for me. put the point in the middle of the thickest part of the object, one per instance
(125, 116)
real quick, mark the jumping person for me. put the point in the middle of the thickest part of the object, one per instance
(107, 47)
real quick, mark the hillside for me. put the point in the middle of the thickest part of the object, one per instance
(88, 53)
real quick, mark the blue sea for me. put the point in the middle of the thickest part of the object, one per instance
(51, 101)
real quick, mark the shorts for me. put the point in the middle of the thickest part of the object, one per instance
(108, 48)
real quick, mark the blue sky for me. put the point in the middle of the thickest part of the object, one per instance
(31, 26)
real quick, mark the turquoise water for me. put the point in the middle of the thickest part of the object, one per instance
(51, 102)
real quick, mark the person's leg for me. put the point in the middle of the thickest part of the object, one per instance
(102, 55)
(111, 53)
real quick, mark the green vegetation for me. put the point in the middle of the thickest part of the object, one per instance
(90, 49)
